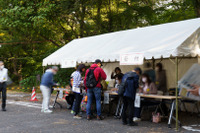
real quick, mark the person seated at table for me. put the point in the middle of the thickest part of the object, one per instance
(118, 82)
(76, 88)
(147, 87)
(115, 73)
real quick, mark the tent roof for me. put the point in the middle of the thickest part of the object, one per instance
(171, 39)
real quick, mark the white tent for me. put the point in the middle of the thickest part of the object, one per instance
(177, 39)
(172, 39)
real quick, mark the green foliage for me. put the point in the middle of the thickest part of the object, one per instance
(36, 28)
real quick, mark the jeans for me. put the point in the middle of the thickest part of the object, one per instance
(78, 99)
(128, 103)
(91, 93)
(46, 92)
(3, 90)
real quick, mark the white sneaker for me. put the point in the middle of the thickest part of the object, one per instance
(135, 119)
(50, 106)
(77, 117)
(48, 111)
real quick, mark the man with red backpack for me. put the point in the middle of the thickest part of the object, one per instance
(92, 81)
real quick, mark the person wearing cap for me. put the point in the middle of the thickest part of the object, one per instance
(99, 75)
(45, 86)
(3, 80)
(130, 82)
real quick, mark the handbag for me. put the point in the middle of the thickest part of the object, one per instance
(84, 103)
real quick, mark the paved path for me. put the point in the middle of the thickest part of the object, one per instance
(25, 117)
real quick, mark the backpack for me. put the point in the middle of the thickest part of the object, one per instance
(91, 81)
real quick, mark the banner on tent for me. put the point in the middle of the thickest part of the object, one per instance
(132, 59)
(68, 63)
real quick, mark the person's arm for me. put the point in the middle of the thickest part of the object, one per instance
(112, 75)
(136, 81)
(77, 79)
(103, 74)
(85, 77)
(195, 91)
(50, 79)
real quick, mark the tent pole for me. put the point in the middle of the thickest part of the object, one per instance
(177, 93)
(43, 69)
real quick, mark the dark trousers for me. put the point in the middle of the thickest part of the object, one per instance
(128, 103)
(3, 91)
(77, 103)
(70, 99)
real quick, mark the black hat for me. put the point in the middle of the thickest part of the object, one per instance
(98, 61)
(138, 69)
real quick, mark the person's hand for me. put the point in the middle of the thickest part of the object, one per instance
(57, 84)
(194, 91)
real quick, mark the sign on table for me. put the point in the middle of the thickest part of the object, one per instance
(192, 77)
(68, 63)
(132, 59)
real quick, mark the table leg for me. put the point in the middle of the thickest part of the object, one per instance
(55, 101)
(171, 113)
(118, 107)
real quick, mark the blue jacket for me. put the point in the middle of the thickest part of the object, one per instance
(131, 85)
(47, 79)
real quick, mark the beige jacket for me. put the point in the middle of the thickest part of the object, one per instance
(152, 89)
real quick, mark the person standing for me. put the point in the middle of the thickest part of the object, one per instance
(114, 74)
(130, 83)
(45, 86)
(150, 72)
(161, 79)
(76, 88)
(92, 81)
(3, 80)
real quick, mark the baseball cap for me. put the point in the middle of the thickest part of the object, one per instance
(98, 61)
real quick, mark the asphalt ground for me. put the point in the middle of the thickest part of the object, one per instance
(23, 116)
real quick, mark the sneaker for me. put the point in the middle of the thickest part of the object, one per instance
(48, 111)
(50, 106)
(3, 109)
(100, 117)
(88, 117)
(72, 112)
(77, 117)
(124, 123)
(135, 119)
(132, 124)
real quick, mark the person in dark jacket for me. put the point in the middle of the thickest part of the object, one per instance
(161, 79)
(150, 72)
(99, 75)
(161, 84)
(131, 81)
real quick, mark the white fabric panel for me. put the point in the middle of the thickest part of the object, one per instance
(184, 65)
(154, 41)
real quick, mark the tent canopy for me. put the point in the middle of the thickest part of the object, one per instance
(171, 39)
